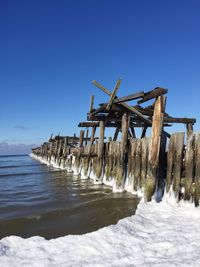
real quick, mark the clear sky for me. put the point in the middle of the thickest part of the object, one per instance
(50, 51)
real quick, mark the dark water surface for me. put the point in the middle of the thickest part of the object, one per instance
(39, 200)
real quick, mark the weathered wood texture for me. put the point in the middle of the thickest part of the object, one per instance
(154, 148)
(123, 152)
(153, 94)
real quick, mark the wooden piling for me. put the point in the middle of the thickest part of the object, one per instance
(154, 149)
(189, 166)
(197, 170)
(175, 163)
(101, 139)
(86, 137)
(144, 160)
(123, 150)
(81, 138)
(189, 128)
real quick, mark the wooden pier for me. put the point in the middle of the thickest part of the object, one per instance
(153, 165)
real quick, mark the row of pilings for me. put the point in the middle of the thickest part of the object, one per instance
(127, 165)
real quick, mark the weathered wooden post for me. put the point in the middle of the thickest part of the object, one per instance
(56, 149)
(90, 148)
(78, 153)
(101, 139)
(197, 170)
(154, 149)
(189, 166)
(86, 137)
(177, 161)
(65, 147)
(122, 160)
(189, 128)
(81, 138)
(50, 150)
(100, 149)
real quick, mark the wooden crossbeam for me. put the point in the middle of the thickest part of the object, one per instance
(158, 91)
(129, 108)
(98, 110)
(129, 97)
(88, 124)
(179, 120)
(113, 94)
(114, 108)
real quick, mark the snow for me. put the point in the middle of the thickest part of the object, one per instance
(159, 234)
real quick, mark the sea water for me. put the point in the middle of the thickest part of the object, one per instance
(36, 199)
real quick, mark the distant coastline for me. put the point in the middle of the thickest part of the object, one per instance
(15, 155)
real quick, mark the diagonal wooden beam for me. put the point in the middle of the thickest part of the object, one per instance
(116, 134)
(133, 131)
(113, 94)
(123, 104)
(101, 87)
(91, 103)
(137, 113)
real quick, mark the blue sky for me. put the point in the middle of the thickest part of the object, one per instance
(50, 51)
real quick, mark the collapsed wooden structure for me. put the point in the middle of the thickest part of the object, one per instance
(132, 163)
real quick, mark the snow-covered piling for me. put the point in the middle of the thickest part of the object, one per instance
(128, 170)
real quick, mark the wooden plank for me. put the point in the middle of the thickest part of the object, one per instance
(179, 120)
(154, 150)
(155, 93)
(88, 124)
(128, 97)
(113, 94)
(102, 109)
(91, 103)
(101, 87)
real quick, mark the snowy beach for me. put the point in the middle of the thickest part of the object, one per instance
(159, 234)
